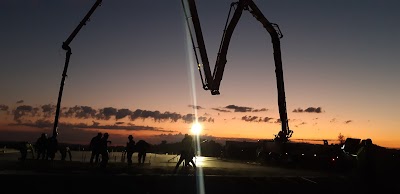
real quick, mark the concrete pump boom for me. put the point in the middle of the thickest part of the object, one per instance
(66, 47)
(212, 83)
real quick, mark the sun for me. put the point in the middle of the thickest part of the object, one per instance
(196, 128)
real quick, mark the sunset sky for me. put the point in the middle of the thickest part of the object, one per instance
(132, 70)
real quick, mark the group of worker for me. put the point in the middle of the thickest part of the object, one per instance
(99, 146)
(187, 153)
(47, 147)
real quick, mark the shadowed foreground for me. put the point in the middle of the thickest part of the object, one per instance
(92, 183)
(78, 177)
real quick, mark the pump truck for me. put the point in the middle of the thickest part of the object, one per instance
(212, 81)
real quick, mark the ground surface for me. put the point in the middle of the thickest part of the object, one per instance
(212, 175)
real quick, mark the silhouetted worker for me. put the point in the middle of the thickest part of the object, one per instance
(123, 155)
(142, 147)
(41, 146)
(95, 148)
(52, 147)
(64, 150)
(186, 148)
(104, 150)
(30, 148)
(190, 155)
(130, 148)
(23, 149)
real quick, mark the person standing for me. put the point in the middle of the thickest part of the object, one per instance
(130, 148)
(95, 148)
(64, 150)
(190, 153)
(52, 147)
(186, 152)
(41, 146)
(23, 149)
(103, 150)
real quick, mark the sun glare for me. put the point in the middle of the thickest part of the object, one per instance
(196, 128)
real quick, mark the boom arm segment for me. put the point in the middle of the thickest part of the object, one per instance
(200, 43)
(66, 47)
(275, 34)
(223, 49)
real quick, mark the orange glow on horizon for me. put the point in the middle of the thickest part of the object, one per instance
(227, 127)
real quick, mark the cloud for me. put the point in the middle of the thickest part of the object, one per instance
(312, 109)
(171, 115)
(298, 110)
(188, 118)
(205, 119)
(195, 107)
(267, 119)
(48, 110)
(256, 119)
(136, 114)
(20, 101)
(23, 110)
(242, 109)
(202, 119)
(260, 110)
(122, 113)
(250, 118)
(70, 111)
(156, 115)
(151, 114)
(86, 112)
(221, 110)
(348, 121)
(81, 112)
(308, 110)
(106, 113)
(239, 108)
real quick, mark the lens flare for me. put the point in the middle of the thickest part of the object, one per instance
(196, 128)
